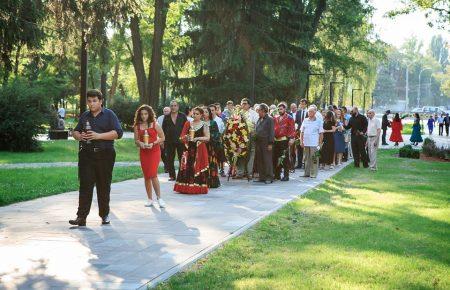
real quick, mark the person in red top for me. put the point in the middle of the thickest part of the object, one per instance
(148, 135)
(397, 127)
(284, 137)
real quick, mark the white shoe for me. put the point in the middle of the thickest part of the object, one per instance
(331, 167)
(161, 203)
(149, 203)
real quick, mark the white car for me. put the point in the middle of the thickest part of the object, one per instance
(417, 110)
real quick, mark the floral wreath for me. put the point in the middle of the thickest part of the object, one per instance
(235, 137)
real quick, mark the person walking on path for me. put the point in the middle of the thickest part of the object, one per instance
(447, 123)
(148, 136)
(193, 173)
(358, 126)
(264, 135)
(284, 138)
(172, 126)
(397, 127)
(416, 136)
(96, 131)
(311, 137)
(440, 121)
(384, 125)
(373, 138)
(430, 124)
(327, 152)
(339, 139)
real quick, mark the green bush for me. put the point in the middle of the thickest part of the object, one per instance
(24, 108)
(125, 109)
(430, 149)
(408, 151)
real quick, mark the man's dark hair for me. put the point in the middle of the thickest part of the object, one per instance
(212, 106)
(282, 104)
(246, 100)
(94, 93)
(304, 101)
(388, 112)
(218, 105)
(264, 107)
(230, 103)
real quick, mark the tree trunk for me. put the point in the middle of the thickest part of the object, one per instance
(83, 72)
(112, 90)
(16, 64)
(104, 61)
(154, 80)
(137, 58)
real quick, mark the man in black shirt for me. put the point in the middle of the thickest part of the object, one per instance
(358, 126)
(172, 126)
(96, 130)
(384, 125)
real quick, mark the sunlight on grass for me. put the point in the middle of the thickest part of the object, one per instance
(358, 230)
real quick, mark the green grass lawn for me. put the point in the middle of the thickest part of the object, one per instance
(359, 230)
(25, 184)
(67, 151)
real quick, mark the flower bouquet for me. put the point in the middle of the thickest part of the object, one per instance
(316, 156)
(235, 139)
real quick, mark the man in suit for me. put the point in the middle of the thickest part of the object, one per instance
(358, 125)
(300, 115)
(172, 127)
(384, 125)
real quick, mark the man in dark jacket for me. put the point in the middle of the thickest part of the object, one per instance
(384, 125)
(172, 127)
(265, 135)
(358, 126)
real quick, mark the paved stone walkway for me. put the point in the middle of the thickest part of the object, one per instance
(142, 246)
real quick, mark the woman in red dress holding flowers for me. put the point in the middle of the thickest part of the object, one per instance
(193, 173)
(147, 136)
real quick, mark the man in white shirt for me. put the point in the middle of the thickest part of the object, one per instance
(166, 111)
(218, 120)
(245, 165)
(373, 134)
(293, 111)
(160, 119)
(311, 136)
(62, 113)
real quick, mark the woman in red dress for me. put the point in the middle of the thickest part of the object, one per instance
(193, 173)
(147, 136)
(397, 127)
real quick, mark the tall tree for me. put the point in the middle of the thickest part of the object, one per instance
(154, 79)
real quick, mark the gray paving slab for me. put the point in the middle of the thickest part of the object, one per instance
(142, 246)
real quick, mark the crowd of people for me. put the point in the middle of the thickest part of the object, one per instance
(260, 143)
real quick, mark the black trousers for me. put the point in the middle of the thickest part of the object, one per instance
(95, 169)
(359, 150)
(264, 161)
(163, 156)
(280, 148)
(441, 129)
(170, 149)
(446, 128)
(383, 137)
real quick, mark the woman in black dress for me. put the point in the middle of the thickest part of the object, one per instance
(327, 151)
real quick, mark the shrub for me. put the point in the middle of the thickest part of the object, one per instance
(429, 147)
(408, 151)
(24, 108)
(125, 109)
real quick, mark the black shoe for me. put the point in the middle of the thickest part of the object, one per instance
(78, 222)
(105, 220)
(285, 178)
(298, 167)
(259, 180)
